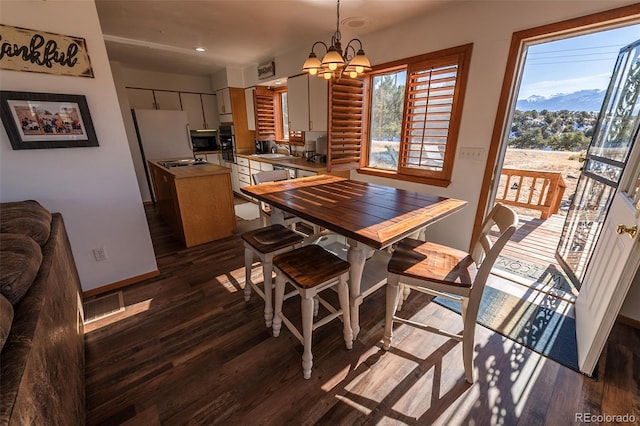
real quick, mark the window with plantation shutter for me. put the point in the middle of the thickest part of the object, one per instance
(416, 106)
(265, 111)
(346, 129)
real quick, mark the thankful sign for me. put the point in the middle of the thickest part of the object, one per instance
(22, 49)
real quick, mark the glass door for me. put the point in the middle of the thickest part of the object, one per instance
(614, 136)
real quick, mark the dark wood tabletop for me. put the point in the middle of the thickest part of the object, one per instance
(375, 215)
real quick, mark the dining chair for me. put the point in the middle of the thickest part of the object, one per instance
(446, 272)
(265, 210)
(265, 243)
(310, 270)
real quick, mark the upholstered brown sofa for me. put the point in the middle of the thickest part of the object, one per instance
(41, 333)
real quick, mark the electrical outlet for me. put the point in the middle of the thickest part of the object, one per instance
(472, 153)
(99, 254)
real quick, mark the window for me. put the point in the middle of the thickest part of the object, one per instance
(385, 124)
(415, 107)
(284, 118)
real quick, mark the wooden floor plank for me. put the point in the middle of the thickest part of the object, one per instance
(189, 350)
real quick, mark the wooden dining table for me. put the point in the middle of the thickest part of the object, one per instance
(369, 215)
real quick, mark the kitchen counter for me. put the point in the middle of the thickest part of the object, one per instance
(295, 163)
(182, 172)
(196, 201)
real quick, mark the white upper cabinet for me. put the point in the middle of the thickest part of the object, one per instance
(192, 105)
(167, 100)
(141, 98)
(211, 119)
(223, 98)
(307, 102)
(251, 116)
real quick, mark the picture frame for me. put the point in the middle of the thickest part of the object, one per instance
(46, 120)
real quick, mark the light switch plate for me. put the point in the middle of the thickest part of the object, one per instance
(472, 153)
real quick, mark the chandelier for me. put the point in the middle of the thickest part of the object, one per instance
(336, 62)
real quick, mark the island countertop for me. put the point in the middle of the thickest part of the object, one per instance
(190, 171)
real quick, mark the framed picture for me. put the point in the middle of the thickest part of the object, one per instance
(46, 120)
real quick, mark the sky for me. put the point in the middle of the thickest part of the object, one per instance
(573, 64)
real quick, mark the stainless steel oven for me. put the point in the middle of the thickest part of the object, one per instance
(226, 137)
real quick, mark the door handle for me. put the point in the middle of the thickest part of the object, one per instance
(633, 231)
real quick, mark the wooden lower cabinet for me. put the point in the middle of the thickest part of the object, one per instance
(195, 201)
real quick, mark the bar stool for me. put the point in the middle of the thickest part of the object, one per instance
(311, 269)
(266, 243)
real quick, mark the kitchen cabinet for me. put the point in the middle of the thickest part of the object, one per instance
(192, 105)
(167, 100)
(196, 202)
(141, 98)
(307, 103)
(304, 173)
(236, 113)
(251, 115)
(210, 109)
(201, 110)
(223, 98)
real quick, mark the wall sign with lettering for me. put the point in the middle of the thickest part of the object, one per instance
(23, 49)
(266, 70)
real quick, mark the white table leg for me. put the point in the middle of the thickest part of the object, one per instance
(277, 216)
(356, 257)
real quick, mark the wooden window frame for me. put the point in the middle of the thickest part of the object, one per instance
(461, 56)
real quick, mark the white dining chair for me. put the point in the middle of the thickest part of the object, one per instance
(446, 272)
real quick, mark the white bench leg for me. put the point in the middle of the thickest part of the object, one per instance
(277, 320)
(248, 263)
(267, 269)
(307, 329)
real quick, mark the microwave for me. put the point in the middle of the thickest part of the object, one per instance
(204, 140)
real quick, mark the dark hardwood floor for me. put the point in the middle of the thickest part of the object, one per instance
(189, 350)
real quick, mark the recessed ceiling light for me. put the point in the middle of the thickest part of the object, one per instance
(200, 49)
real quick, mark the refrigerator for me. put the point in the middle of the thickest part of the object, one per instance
(162, 134)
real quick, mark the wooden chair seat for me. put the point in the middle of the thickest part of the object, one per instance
(271, 238)
(310, 270)
(310, 265)
(265, 243)
(433, 262)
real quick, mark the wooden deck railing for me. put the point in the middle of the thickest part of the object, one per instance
(531, 189)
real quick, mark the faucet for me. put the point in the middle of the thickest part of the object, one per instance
(287, 147)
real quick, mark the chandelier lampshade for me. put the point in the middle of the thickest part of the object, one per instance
(336, 62)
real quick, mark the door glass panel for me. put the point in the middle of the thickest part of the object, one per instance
(614, 135)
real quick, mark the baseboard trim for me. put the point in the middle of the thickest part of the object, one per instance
(120, 284)
(628, 321)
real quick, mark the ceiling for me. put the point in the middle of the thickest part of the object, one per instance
(162, 35)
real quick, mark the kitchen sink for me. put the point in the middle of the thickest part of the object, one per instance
(271, 156)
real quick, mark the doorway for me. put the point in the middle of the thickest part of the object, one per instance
(560, 84)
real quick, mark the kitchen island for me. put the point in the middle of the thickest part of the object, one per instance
(196, 201)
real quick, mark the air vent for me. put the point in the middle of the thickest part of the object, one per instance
(103, 306)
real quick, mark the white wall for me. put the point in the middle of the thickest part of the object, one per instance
(94, 188)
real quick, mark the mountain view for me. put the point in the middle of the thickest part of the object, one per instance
(583, 100)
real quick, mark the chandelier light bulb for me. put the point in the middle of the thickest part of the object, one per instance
(333, 66)
(313, 71)
(328, 75)
(359, 69)
(353, 74)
